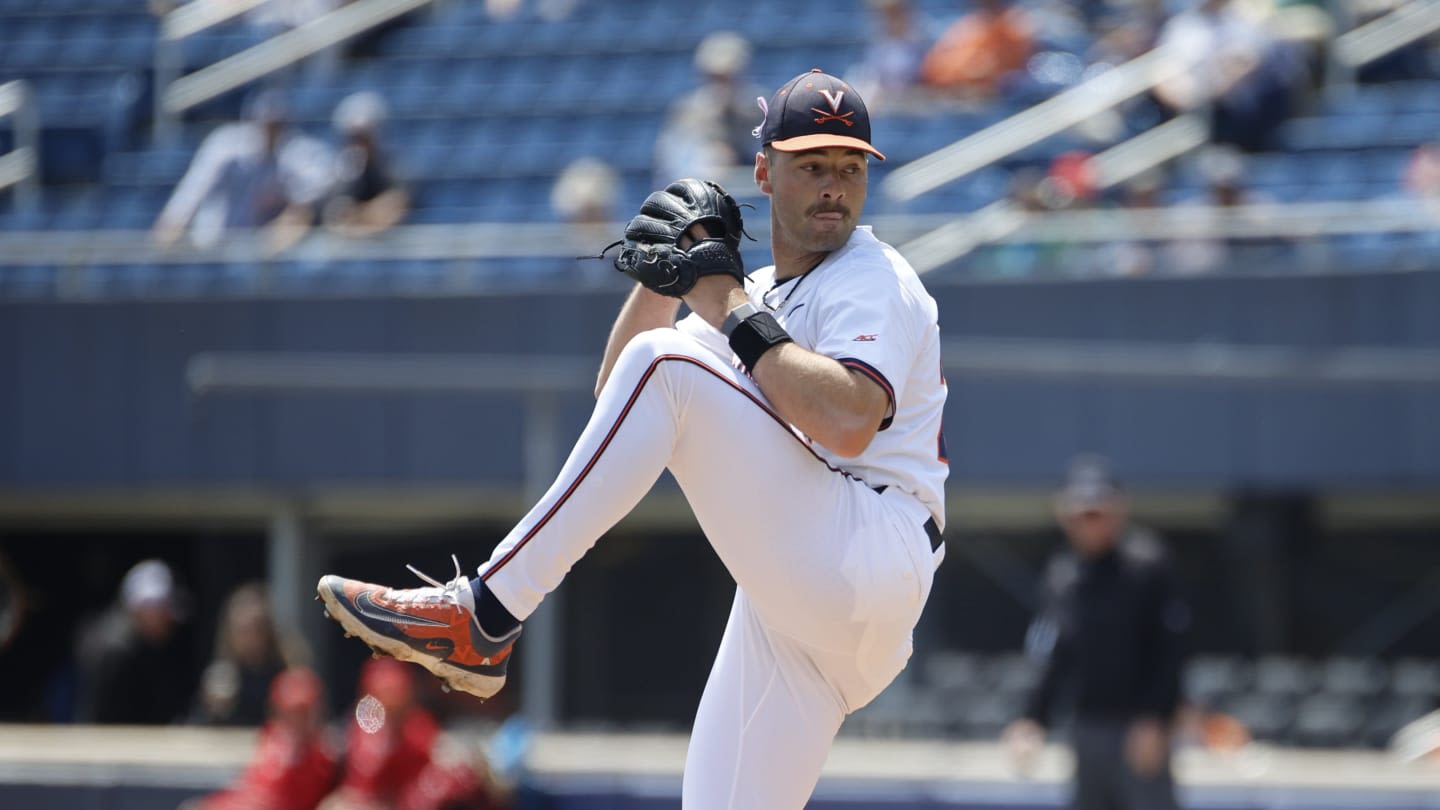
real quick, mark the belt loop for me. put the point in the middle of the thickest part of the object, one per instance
(933, 532)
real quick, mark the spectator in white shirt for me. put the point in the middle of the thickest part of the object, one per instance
(253, 174)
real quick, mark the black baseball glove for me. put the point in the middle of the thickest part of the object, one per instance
(650, 252)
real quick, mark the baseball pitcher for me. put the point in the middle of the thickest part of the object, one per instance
(799, 408)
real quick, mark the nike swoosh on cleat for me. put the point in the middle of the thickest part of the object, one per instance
(365, 606)
(439, 645)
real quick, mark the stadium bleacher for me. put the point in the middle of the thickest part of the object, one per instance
(485, 112)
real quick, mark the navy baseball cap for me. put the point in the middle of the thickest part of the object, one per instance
(813, 111)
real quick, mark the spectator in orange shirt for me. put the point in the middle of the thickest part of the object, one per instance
(294, 765)
(978, 50)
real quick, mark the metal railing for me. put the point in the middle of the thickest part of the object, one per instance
(497, 240)
(186, 21)
(1386, 34)
(1024, 129)
(1111, 88)
(175, 93)
(1003, 218)
(20, 167)
(1306, 226)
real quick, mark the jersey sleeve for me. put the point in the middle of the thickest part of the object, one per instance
(867, 328)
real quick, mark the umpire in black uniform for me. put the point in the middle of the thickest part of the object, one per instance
(1111, 635)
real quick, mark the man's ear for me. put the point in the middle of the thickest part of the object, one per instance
(762, 172)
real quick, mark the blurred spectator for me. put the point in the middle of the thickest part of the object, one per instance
(585, 196)
(976, 53)
(458, 777)
(1130, 257)
(890, 66)
(1111, 635)
(385, 755)
(133, 668)
(1417, 60)
(1223, 168)
(250, 174)
(1124, 36)
(248, 656)
(278, 16)
(294, 765)
(1032, 190)
(708, 131)
(1068, 182)
(1422, 173)
(12, 603)
(1247, 80)
(547, 10)
(367, 198)
(585, 193)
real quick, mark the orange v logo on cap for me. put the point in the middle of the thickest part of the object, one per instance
(833, 99)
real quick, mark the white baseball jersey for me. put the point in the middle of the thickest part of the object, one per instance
(865, 307)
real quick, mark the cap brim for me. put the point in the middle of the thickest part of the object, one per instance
(1075, 499)
(802, 143)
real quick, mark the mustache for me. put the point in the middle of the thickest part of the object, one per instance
(829, 209)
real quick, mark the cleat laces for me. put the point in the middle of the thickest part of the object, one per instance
(438, 591)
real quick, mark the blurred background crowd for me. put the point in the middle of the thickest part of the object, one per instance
(403, 179)
(565, 113)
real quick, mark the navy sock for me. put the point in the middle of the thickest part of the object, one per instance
(494, 619)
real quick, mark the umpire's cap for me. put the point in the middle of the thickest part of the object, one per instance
(1090, 484)
(815, 110)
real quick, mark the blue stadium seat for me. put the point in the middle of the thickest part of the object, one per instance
(485, 113)
(82, 212)
(1416, 96)
(418, 277)
(34, 218)
(357, 277)
(234, 278)
(126, 209)
(1366, 251)
(189, 280)
(1361, 103)
(313, 100)
(26, 49)
(27, 281)
(127, 280)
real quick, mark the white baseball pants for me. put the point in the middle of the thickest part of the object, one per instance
(831, 575)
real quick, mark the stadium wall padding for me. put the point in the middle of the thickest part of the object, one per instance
(95, 395)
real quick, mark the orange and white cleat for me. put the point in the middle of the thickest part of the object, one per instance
(433, 626)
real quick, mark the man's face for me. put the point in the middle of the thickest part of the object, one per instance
(1093, 528)
(154, 621)
(816, 197)
(273, 129)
